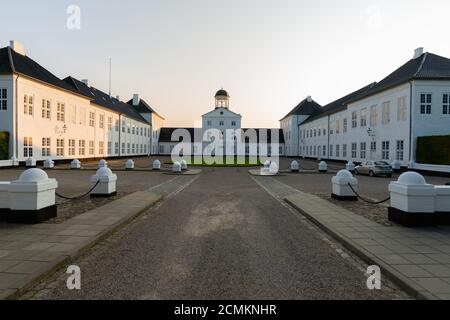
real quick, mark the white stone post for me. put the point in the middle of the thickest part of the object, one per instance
(412, 201)
(350, 166)
(323, 167)
(75, 164)
(32, 198)
(176, 168)
(156, 165)
(107, 182)
(30, 163)
(267, 165)
(15, 161)
(273, 168)
(396, 166)
(102, 164)
(295, 167)
(129, 165)
(184, 165)
(340, 185)
(49, 163)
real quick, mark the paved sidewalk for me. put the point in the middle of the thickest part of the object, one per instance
(28, 253)
(417, 259)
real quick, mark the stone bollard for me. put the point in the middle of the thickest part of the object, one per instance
(396, 166)
(273, 168)
(267, 165)
(75, 164)
(4, 197)
(341, 189)
(184, 165)
(323, 167)
(411, 164)
(176, 168)
(412, 201)
(107, 183)
(15, 161)
(32, 198)
(350, 166)
(156, 165)
(30, 163)
(129, 165)
(102, 164)
(295, 167)
(49, 163)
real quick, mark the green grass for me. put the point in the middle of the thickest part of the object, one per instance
(433, 150)
(4, 145)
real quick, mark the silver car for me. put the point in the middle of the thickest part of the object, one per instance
(375, 168)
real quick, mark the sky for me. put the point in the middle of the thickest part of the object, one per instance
(268, 54)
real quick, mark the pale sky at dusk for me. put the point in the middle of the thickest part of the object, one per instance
(269, 55)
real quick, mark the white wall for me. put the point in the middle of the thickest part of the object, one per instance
(6, 116)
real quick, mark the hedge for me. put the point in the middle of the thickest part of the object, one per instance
(4, 145)
(433, 150)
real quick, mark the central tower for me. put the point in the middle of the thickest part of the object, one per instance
(222, 99)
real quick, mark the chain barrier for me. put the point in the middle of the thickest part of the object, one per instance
(78, 197)
(365, 200)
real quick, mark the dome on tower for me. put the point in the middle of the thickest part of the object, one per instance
(222, 93)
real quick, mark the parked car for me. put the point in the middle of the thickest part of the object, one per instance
(375, 168)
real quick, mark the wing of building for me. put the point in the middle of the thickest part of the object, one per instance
(381, 121)
(63, 119)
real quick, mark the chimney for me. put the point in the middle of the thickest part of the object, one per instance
(136, 100)
(418, 52)
(17, 47)
(86, 82)
(309, 99)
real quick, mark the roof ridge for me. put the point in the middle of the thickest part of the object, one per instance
(425, 56)
(11, 61)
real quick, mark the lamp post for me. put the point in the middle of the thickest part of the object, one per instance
(371, 134)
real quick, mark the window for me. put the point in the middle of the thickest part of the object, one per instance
(92, 119)
(116, 125)
(109, 147)
(401, 109)
(425, 103)
(124, 125)
(344, 150)
(345, 125)
(446, 103)
(315, 132)
(386, 116)
(385, 150)
(324, 152)
(116, 148)
(233, 123)
(363, 150)
(331, 150)
(60, 112)
(123, 148)
(373, 116)
(101, 121)
(373, 146)
(81, 147)
(141, 132)
(363, 119)
(221, 123)
(91, 148)
(28, 104)
(128, 148)
(46, 109)
(209, 123)
(101, 147)
(133, 148)
(338, 151)
(161, 149)
(46, 147)
(338, 126)
(28, 147)
(133, 130)
(128, 128)
(59, 147)
(400, 150)
(354, 119)
(354, 150)
(71, 147)
(3, 99)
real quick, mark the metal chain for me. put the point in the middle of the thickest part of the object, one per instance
(365, 200)
(78, 197)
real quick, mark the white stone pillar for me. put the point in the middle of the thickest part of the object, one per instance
(156, 165)
(49, 163)
(323, 167)
(350, 166)
(176, 168)
(30, 163)
(107, 182)
(75, 164)
(129, 165)
(340, 185)
(15, 161)
(32, 198)
(184, 165)
(396, 166)
(273, 168)
(102, 164)
(295, 167)
(412, 201)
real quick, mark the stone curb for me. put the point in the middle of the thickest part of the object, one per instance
(404, 283)
(66, 259)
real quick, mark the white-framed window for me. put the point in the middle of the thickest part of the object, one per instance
(338, 151)
(46, 109)
(161, 149)
(373, 146)
(61, 112)
(101, 121)
(344, 150)
(109, 147)
(363, 120)
(116, 148)
(354, 150)
(401, 109)
(128, 148)
(425, 103)
(363, 150)
(338, 126)
(345, 125)
(28, 147)
(386, 115)
(46, 147)
(28, 104)
(133, 148)
(71, 147)
(116, 125)
(385, 146)
(92, 119)
(91, 148)
(133, 130)
(110, 123)
(446, 103)
(124, 126)
(221, 123)
(59, 147)
(331, 150)
(82, 147)
(233, 123)
(123, 148)
(354, 119)
(324, 151)
(373, 116)
(3, 99)
(208, 123)
(400, 150)
(101, 147)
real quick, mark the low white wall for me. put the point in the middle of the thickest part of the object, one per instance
(6, 163)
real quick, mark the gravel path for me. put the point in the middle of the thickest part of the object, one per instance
(223, 237)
